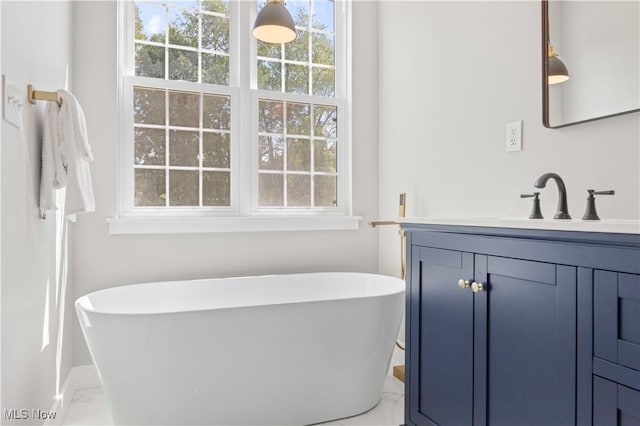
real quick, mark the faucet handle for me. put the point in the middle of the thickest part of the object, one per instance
(594, 192)
(591, 213)
(536, 213)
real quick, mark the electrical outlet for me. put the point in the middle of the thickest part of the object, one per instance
(514, 136)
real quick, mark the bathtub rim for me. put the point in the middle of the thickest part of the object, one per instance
(80, 306)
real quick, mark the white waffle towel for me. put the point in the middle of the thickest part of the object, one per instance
(66, 154)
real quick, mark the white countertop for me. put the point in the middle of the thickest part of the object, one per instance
(618, 226)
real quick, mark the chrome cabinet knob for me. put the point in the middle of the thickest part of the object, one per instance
(477, 287)
(463, 283)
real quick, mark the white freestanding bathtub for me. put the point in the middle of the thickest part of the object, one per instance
(268, 350)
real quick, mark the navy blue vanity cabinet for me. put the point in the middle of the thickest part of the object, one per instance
(500, 326)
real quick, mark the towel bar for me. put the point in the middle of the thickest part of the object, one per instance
(382, 222)
(40, 95)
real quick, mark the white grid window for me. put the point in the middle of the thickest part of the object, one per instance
(297, 164)
(215, 123)
(181, 148)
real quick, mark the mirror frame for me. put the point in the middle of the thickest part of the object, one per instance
(545, 85)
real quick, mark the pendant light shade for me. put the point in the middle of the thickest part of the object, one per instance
(557, 71)
(274, 24)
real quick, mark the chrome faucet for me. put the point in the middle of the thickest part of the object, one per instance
(563, 209)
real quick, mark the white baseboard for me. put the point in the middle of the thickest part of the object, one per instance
(398, 356)
(79, 377)
(86, 376)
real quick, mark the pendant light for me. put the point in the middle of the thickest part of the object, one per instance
(556, 69)
(274, 24)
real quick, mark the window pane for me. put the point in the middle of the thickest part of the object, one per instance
(216, 189)
(298, 50)
(150, 187)
(269, 50)
(150, 22)
(183, 27)
(323, 16)
(149, 146)
(298, 119)
(215, 69)
(149, 61)
(217, 112)
(324, 155)
(298, 155)
(219, 6)
(269, 75)
(270, 189)
(324, 82)
(183, 65)
(325, 191)
(270, 116)
(183, 148)
(299, 10)
(271, 154)
(298, 190)
(183, 188)
(323, 49)
(297, 79)
(215, 33)
(184, 109)
(216, 150)
(325, 121)
(148, 106)
(193, 4)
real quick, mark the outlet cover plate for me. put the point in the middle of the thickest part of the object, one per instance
(11, 103)
(514, 136)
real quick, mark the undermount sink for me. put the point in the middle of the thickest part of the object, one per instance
(618, 226)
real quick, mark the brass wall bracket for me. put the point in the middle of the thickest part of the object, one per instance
(40, 95)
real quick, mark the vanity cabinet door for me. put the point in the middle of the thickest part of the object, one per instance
(440, 344)
(617, 318)
(525, 322)
(614, 404)
(500, 354)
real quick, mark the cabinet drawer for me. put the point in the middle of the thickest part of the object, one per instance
(614, 404)
(617, 318)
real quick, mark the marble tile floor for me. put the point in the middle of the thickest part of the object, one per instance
(88, 407)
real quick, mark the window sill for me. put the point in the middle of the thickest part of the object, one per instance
(189, 225)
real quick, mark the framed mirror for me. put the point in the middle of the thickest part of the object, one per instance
(597, 43)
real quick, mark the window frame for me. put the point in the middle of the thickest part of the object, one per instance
(244, 213)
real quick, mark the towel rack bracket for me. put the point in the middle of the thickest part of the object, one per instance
(30, 94)
(39, 95)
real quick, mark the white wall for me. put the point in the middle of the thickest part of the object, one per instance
(105, 261)
(36, 48)
(451, 75)
(1, 405)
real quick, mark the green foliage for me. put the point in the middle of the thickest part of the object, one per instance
(139, 26)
